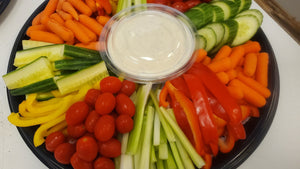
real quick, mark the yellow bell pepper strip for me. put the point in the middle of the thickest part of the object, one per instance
(41, 132)
(22, 107)
(191, 115)
(58, 127)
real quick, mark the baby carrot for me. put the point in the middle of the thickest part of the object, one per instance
(261, 74)
(252, 47)
(37, 19)
(49, 9)
(64, 15)
(221, 65)
(236, 55)
(67, 7)
(34, 28)
(106, 5)
(223, 77)
(206, 60)
(250, 63)
(81, 7)
(250, 95)
(235, 91)
(103, 19)
(90, 33)
(201, 54)
(60, 30)
(91, 23)
(57, 18)
(91, 45)
(222, 53)
(59, 5)
(45, 37)
(232, 73)
(79, 33)
(91, 4)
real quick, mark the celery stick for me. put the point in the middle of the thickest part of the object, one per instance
(176, 155)
(152, 166)
(137, 155)
(156, 130)
(153, 158)
(134, 136)
(126, 161)
(170, 162)
(160, 164)
(163, 146)
(124, 142)
(117, 162)
(187, 162)
(147, 140)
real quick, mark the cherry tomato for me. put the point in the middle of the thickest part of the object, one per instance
(163, 2)
(128, 87)
(124, 123)
(91, 97)
(180, 6)
(78, 163)
(110, 148)
(64, 152)
(104, 163)
(53, 140)
(91, 120)
(76, 131)
(87, 148)
(104, 128)
(110, 84)
(124, 105)
(105, 103)
(77, 113)
(192, 3)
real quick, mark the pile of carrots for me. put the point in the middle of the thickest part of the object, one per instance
(244, 70)
(75, 22)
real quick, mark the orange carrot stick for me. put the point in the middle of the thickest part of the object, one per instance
(79, 33)
(64, 15)
(49, 9)
(252, 47)
(66, 34)
(223, 77)
(57, 18)
(201, 54)
(91, 4)
(206, 60)
(67, 7)
(81, 7)
(90, 33)
(103, 19)
(34, 28)
(250, 63)
(250, 95)
(221, 65)
(37, 19)
(91, 23)
(59, 5)
(264, 91)
(232, 73)
(45, 37)
(222, 53)
(235, 91)
(90, 45)
(261, 74)
(236, 55)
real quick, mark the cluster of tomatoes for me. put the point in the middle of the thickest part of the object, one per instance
(181, 5)
(93, 124)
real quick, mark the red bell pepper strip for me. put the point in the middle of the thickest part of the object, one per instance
(217, 108)
(238, 130)
(208, 161)
(181, 85)
(219, 90)
(205, 115)
(227, 144)
(191, 115)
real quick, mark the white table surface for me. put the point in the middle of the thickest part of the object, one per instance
(279, 149)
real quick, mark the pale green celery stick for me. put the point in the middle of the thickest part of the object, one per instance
(170, 162)
(137, 155)
(187, 162)
(160, 164)
(126, 161)
(163, 146)
(156, 130)
(117, 161)
(176, 155)
(124, 142)
(152, 166)
(135, 134)
(153, 158)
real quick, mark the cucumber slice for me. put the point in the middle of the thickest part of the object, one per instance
(254, 12)
(39, 69)
(210, 37)
(89, 75)
(229, 8)
(218, 14)
(196, 16)
(201, 41)
(73, 64)
(44, 96)
(32, 44)
(218, 29)
(248, 26)
(41, 86)
(245, 5)
(207, 10)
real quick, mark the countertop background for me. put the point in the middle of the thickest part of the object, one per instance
(279, 149)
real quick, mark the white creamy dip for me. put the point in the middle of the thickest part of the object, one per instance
(150, 44)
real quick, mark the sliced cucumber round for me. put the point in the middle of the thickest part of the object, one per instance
(196, 16)
(218, 14)
(245, 5)
(219, 30)
(247, 27)
(210, 36)
(229, 8)
(201, 41)
(254, 12)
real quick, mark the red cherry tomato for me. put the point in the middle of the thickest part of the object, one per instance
(110, 84)
(128, 87)
(87, 148)
(163, 2)
(124, 105)
(76, 131)
(105, 103)
(77, 113)
(110, 148)
(104, 163)
(192, 3)
(78, 163)
(64, 152)
(91, 121)
(91, 97)
(180, 6)
(104, 128)
(124, 123)
(53, 140)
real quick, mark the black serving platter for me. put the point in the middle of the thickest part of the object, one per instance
(256, 128)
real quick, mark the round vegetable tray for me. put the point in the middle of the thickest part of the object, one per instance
(256, 128)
